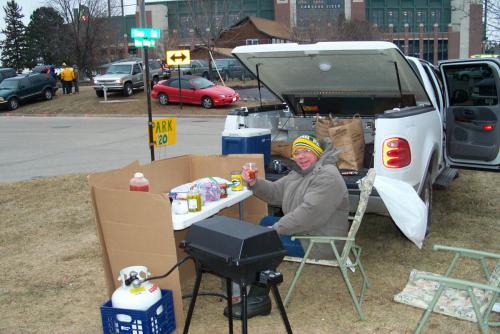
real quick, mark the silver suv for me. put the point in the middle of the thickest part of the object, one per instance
(125, 77)
(197, 67)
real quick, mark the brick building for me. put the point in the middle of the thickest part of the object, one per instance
(429, 29)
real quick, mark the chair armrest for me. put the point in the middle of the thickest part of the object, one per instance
(320, 238)
(467, 252)
(456, 283)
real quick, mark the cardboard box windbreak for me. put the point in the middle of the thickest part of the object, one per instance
(135, 228)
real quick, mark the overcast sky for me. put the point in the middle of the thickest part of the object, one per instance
(28, 6)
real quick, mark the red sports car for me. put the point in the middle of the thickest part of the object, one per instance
(194, 90)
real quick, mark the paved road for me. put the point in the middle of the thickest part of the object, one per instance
(33, 147)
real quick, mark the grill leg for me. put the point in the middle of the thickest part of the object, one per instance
(193, 299)
(229, 294)
(244, 318)
(279, 302)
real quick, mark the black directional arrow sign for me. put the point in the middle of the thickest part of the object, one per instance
(175, 57)
(178, 57)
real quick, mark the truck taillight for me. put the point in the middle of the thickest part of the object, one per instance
(396, 153)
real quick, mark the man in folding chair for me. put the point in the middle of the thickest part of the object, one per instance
(314, 200)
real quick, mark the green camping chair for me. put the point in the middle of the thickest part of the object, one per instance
(342, 261)
(459, 298)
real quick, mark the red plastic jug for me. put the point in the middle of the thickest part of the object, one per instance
(139, 183)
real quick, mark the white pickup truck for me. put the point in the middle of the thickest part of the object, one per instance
(419, 120)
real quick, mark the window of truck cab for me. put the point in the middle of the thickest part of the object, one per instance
(471, 85)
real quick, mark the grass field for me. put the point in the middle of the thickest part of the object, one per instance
(53, 280)
(86, 103)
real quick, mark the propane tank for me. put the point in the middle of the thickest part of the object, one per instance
(135, 294)
(139, 183)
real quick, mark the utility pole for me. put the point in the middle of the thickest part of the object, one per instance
(109, 8)
(147, 84)
(485, 39)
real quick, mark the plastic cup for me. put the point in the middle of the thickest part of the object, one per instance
(251, 167)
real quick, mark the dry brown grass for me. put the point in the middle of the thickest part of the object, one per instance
(53, 280)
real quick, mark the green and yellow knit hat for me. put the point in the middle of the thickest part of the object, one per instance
(307, 142)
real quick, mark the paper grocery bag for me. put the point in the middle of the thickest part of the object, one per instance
(281, 148)
(347, 136)
(322, 124)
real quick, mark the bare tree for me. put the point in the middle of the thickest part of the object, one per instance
(339, 29)
(491, 16)
(209, 20)
(353, 30)
(89, 31)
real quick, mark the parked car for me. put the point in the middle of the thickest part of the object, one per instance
(197, 67)
(414, 130)
(230, 68)
(126, 76)
(7, 72)
(165, 71)
(475, 72)
(484, 92)
(194, 90)
(18, 89)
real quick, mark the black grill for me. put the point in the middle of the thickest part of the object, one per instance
(234, 249)
(238, 251)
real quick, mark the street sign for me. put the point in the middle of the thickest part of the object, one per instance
(140, 43)
(150, 33)
(164, 132)
(178, 57)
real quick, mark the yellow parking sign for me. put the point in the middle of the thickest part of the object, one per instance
(164, 132)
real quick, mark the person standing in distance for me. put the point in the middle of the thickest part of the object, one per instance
(67, 79)
(75, 79)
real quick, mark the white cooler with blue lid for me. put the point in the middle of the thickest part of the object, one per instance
(247, 140)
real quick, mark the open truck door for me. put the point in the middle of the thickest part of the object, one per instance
(472, 113)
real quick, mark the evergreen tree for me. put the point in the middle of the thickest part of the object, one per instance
(14, 45)
(44, 37)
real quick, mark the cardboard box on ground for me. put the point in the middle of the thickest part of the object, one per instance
(135, 228)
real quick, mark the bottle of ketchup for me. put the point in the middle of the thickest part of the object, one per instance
(139, 183)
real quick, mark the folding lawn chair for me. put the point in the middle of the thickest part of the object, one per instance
(342, 261)
(458, 298)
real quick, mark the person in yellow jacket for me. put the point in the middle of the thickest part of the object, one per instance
(67, 77)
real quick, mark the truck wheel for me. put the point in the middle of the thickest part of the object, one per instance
(47, 94)
(99, 93)
(13, 103)
(206, 102)
(163, 99)
(426, 196)
(128, 90)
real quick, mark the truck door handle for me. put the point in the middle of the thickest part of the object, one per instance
(468, 113)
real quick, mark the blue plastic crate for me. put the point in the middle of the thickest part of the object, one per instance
(141, 322)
